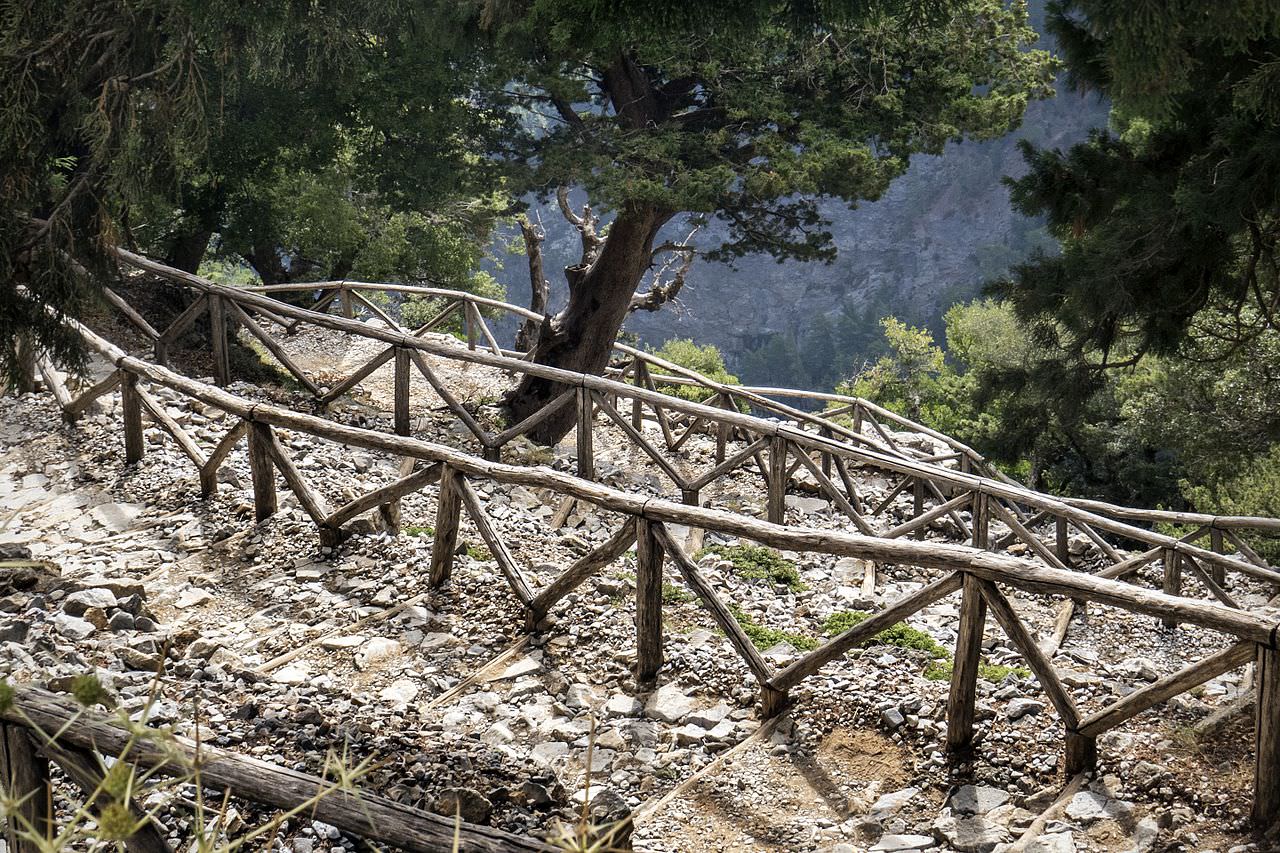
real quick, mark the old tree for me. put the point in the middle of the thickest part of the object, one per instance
(749, 115)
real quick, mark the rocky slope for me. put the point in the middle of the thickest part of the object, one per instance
(289, 649)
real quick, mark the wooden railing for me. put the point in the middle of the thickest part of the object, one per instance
(823, 451)
(978, 573)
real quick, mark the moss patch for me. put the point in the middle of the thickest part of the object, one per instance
(766, 638)
(901, 634)
(757, 563)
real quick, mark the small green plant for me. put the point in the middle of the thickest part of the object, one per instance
(765, 638)
(673, 594)
(479, 553)
(757, 563)
(900, 634)
(940, 670)
(419, 530)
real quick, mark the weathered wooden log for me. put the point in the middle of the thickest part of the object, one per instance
(131, 408)
(824, 482)
(344, 302)
(964, 672)
(166, 422)
(836, 647)
(777, 498)
(136, 319)
(273, 346)
(1166, 688)
(536, 418)
(981, 514)
(1172, 584)
(1266, 774)
(447, 521)
(648, 603)
(24, 776)
(714, 606)
(73, 410)
(384, 494)
(262, 470)
(586, 445)
(1215, 545)
(179, 326)
(54, 383)
(1062, 548)
(209, 471)
(1210, 583)
(449, 400)
(84, 768)
(359, 376)
(643, 443)
(725, 466)
(218, 343)
(401, 392)
(498, 548)
(583, 568)
(922, 520)
(376, 310)
(1029, 538)
(309, 498)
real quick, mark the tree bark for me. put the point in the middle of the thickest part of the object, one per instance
(187, 250)
(580, 338)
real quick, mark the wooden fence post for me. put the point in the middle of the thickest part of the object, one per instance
(24, 772)
(1062, 546)
(964, 672)
(586, 450)
(402, 391)
(1172, 580)
(722, 429)
(856, 416)
(637, 410)
(262, 470)
(1216, 571)
(218, 340)
(448, 506)
(25, 382)
(469, 323)
(981, 520)
(1266, 778)
(131, 405)
(344, 302)
(917, 505)
(1081, 753)
(648, 603)
(777, 509)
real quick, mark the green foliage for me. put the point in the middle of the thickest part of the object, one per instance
(416, 530)
(419, 310)
(766, 638)
(675, 594)
(88, 690)
(6, 695)
(479, 553)
(899, 634)
(940, 670)
(704, 359)
(755, 562)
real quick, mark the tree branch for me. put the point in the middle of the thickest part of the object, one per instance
(527, 336)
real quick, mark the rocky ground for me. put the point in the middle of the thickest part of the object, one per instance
(286, 650)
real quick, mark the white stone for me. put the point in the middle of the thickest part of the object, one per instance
(71, 626)
(895, 843)
(192, 597)
(402, 691)
(668, 704)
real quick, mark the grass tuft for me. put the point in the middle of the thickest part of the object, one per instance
(765, 638)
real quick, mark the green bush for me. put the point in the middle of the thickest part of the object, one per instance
(706, 360)
(901, 634)
(756, 563)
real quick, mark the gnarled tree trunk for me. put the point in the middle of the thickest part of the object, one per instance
(580, 338)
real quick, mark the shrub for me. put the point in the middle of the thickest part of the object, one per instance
(418, 310)
(901, 634)
(757, 563)
(765, 638)
(705, 359)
